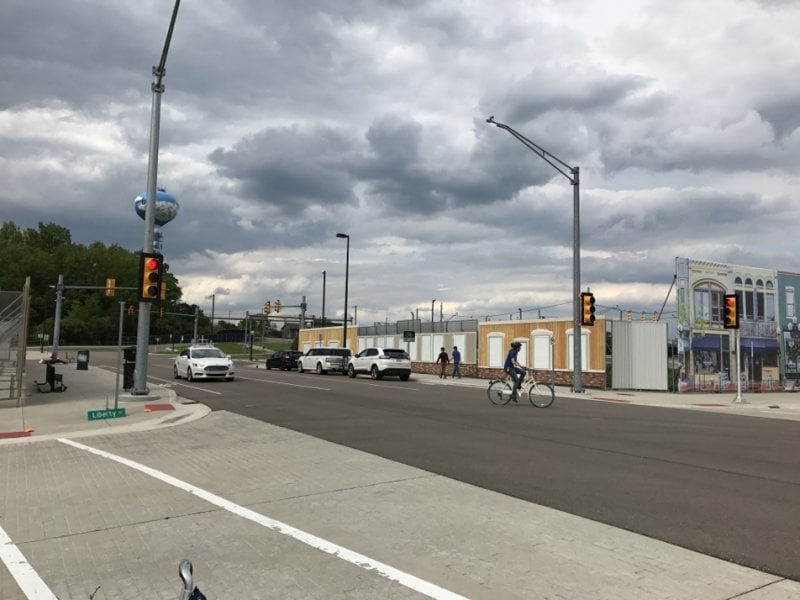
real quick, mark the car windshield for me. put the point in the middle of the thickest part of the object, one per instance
(392, 353)
(207, 353)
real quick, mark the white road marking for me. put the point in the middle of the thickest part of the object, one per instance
(405, 579)
(28, 580)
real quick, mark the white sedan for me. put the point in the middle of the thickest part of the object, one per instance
(203, 362)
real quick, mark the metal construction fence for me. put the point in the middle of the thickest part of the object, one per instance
(418, 326)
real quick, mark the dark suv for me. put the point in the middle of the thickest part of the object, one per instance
(285, 360)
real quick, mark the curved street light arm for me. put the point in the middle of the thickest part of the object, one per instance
(158, 71)
(548, 157)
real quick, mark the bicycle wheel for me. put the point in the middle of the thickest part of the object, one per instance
(541, 395)
(499, 392)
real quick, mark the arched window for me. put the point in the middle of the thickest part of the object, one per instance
(708, 302)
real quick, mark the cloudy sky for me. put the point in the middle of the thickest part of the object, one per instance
(284, 123)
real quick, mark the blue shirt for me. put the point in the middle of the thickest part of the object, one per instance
(456, 356)
(512, 356)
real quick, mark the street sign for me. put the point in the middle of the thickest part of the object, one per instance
(409, 336)
(109, 413)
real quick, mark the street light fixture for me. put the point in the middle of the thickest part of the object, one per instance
(346, 281)
(573, 175)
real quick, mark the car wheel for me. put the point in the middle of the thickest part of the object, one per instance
(299, 367)
(404, 377)
(229, 379)
(374, 373)
(320, 370)
(189, 374)
(351, 372)
(269, 368)
(175, 371)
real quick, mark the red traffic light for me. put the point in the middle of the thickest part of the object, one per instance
(150, 276)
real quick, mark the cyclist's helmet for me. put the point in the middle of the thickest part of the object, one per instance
(516, 345)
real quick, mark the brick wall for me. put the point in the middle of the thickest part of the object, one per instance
(562, 378)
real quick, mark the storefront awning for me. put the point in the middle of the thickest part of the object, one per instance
(710, 342)
(759, 343)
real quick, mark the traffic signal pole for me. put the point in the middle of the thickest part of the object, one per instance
(143, 329)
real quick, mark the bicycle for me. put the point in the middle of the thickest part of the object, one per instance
(540, 394)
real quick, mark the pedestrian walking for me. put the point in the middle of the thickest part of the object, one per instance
(456, 363)
(443, 360)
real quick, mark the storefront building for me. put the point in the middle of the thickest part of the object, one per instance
(712, 356)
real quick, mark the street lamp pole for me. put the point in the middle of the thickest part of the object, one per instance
(323, 298)
(573, 176)
(143, 326)
(346, 282)
(213, 297)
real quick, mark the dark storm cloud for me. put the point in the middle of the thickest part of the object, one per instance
(783, 114)
(78, 52)
(583, 91)
(290, 169)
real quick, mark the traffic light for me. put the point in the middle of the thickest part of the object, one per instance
(131, 310)
(587, 308)
(110, 285)
(161, 312)
(731, 316)
(150, 273)
(163, 290)
(267, 308)
(277, 306)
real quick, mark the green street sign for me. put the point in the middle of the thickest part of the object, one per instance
(111, 413)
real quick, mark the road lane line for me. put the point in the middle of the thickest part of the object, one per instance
(26, 577)
(405, 579)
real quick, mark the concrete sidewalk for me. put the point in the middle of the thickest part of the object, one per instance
(46, 415)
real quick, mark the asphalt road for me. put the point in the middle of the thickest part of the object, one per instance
(726, 486)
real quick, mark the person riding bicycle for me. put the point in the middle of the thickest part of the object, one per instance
(514, 369)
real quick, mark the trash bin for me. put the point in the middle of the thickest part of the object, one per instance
(129, 354)
(82, 360)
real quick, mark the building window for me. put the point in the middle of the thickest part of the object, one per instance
(542, 349)
(749, 309)
(708, 302)
(790, 311)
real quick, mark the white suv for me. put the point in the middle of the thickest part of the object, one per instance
(203, 362)
(381, 361)
(323, 360)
